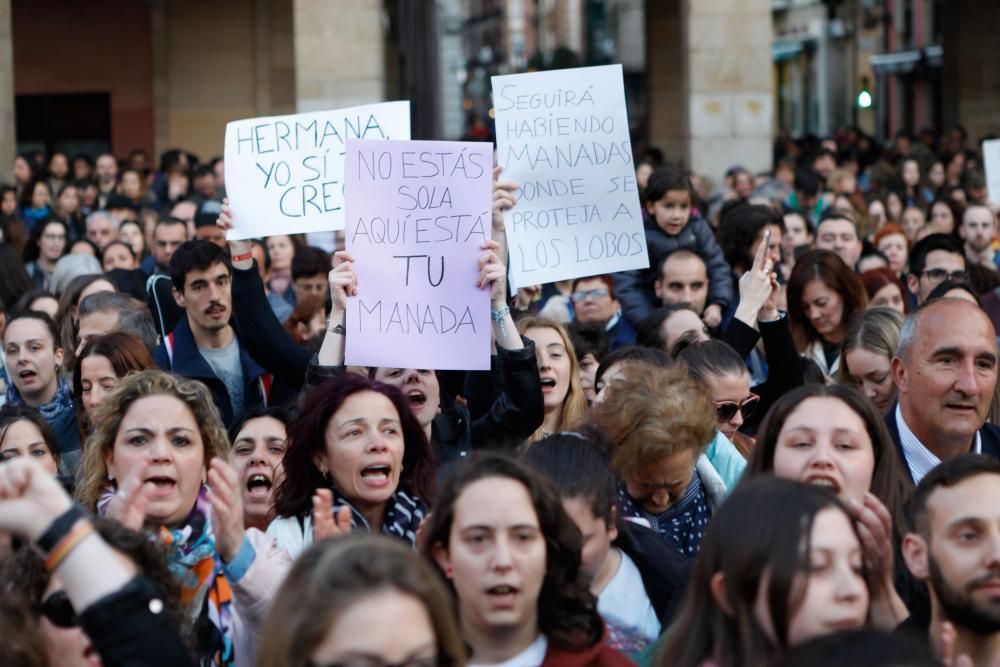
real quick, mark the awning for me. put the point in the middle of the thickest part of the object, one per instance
(785, 50)
(903, 62)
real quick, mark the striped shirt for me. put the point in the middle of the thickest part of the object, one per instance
(919, 459)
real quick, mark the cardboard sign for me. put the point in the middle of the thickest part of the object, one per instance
(417, 215)
(285, 174)
(563, 137)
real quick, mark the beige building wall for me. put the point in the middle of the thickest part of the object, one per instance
(710, 82)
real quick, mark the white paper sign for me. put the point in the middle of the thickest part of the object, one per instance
(563, 137)
(991, 163)
(285, 174)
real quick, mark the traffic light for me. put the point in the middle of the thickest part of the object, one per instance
(864, 100)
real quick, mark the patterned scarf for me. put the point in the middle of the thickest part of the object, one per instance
(60, 403)
(403, 515)
(683, 523)
(196, 565)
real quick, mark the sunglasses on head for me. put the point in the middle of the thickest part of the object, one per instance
(726, 410)
(59, 610)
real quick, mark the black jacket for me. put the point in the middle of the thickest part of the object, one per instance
(989, 434)
(663, 570)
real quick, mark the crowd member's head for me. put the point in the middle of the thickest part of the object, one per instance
(781, 564)
(823, 293)
(590, 344)
(894, 203)
(203, 181)
(660, 421)
(68, 202)
(891, 241)
(106, 169)
(913, 221)
(59, 165)
(615, 364)
(131, 233)
(944, 217)
(824, 163)
(34, 356)
(118, 255)
(23, 432)
(978, 229)
(102, 362)
(885, 290)
(808, 187)
(310, 271)
(101, 228)
(73, 266)
(364, 600)
(667, 199)
(14, 280)
(594, 299)
(169, 234)
(50, 617)
(36, 196)
(307, 320)
(682, 278)
(260, 440)
(48, 242)
(161, 421)
(837, 230)
(877, 213)
(742, 228)
(23, 171)
(360, 438)
(281, 250)
(40, 300)
(500, 535)
(861, 648)
(107, 312)
(934, 259)
(871, 260)
(796, 232)
(866, 354)
(945, 370)
(953, 545)
(85, 247)
(205, 224)
(420, 387)
(719, 367)
(82, 166)
(562, 394)
(132, 186)
(121, 208)
(672, 327)
(202, 285)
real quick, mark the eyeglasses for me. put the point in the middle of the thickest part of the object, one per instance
(940, 275)
(726, 410)
(370, 661)
(59, 610)
(599, 293)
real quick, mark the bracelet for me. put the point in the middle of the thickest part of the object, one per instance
(58, 529)
(500, 313)
(242, 258)
(67, 544)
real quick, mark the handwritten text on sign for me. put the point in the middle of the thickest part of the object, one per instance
(417, 214)
(285, 174)
(563, 137)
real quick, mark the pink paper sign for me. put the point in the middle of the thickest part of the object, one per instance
(416, 215)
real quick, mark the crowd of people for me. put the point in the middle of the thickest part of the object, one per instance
(777, 445)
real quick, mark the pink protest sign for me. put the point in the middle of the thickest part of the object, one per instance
(416, 215)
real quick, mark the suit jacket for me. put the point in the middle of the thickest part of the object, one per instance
(989, 434)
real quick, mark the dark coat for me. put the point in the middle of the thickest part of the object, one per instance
(663, 570)
(634, 289)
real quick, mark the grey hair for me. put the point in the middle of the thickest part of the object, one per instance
(133, 315)
(908, 332)
(98, 215)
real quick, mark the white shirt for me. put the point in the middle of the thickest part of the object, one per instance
(533, 656)
(626, 609)
(920, 459)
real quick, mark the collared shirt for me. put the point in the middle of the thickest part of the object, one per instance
(920, 459)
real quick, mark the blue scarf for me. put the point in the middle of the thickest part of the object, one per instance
(683, 523)
(51, 411)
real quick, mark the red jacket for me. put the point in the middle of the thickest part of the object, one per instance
(598, 655)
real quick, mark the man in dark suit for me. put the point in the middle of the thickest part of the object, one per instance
(945, 369)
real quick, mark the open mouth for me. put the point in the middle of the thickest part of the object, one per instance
(502, 596)
(825, 482)
(27, 375)
(162, 485)
(376, 474)
(417, 398)
(548, 383)
(259, 486)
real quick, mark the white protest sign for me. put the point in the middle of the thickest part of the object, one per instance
(991, 163)
(563, 137)
(285, 174)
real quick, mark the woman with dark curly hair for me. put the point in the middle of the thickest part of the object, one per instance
(501, 537)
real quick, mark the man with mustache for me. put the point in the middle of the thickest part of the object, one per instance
(945, 369)
(953, 545)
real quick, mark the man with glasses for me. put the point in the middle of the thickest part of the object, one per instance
(933, 260)
(594, 302)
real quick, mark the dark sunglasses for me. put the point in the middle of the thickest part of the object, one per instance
(726, 410)
(942, 274)
(59, 610)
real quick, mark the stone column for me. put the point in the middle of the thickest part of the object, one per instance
(339, 53)
(8, 135)
(710, 83)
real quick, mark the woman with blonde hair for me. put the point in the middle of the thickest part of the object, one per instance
(866, 355)
(562, 393)
(660, 422)
(158, 458)
(361, 596)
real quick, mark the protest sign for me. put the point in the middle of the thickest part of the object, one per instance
(285, 174)
(563, 137)
(991, 164)
(417, 213)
